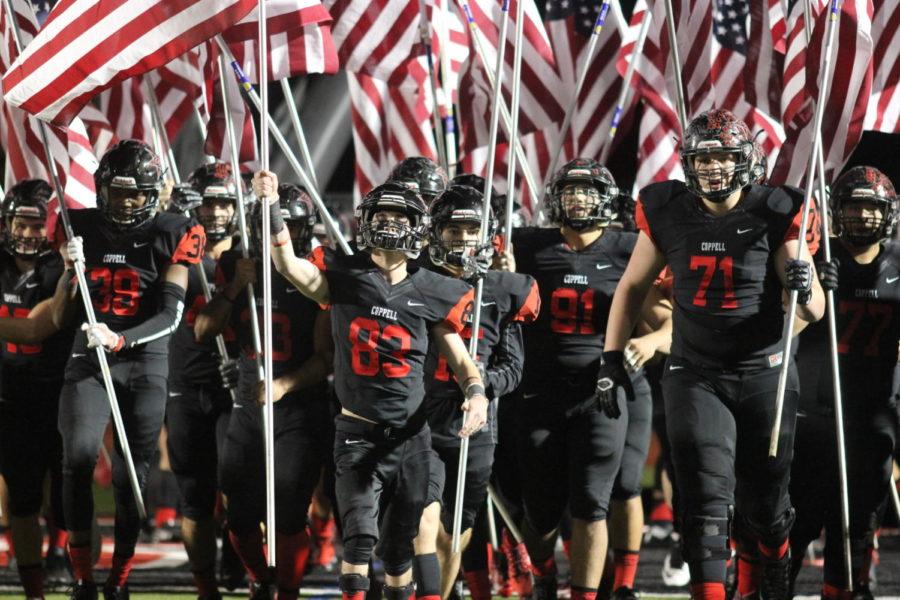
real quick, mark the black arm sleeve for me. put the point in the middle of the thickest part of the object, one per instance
(162, 323)
(505, 374)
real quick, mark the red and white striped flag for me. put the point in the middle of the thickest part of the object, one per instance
(20, 132)
(793, 93)
(884, 106)
(300, 40)
(765, 56)
(87, 46)
(542, 93)
(99, 131)
(847, 99)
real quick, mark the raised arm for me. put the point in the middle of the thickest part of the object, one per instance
(303, 274)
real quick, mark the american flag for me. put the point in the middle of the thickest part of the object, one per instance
(542, 92)
(883, 113)
(99, 131)
(20, 132)
(847, 99)
(300, 40)
(88, 46)
(793, 93)
(765, 56)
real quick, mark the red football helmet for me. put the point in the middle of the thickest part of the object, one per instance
(862, 185)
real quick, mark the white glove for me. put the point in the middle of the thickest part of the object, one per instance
(75, 249)
(100, 335)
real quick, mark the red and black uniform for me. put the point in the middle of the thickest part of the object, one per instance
(30, 445)
(199, 406)
(572, 452)
(722, 375)
(508, 301)
(300, 427)
(124, 271)
(381, 334)
(868, 331)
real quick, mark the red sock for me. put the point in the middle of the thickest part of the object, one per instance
(292, 552)
(833, 592)
(205, 581)
(773, 553)
(708, 591)
(9, 541)
(662, 512)
(567, 548)
(626, 563)
(57, 538)
(32, 578)
(479, 583)
(748, 573)
(358, 595)
(118, 572)
(545, 568)
(249, 548)
(165, 515)
(82, 560)
(580, 593)
(323, 533)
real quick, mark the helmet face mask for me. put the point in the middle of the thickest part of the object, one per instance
(581, 195)
(24, 218)
(392, 217)
(717, 155)
(864, 207)
(218, 188)
(456, 219)
(128, 181)
(218, 217)
(27, 236)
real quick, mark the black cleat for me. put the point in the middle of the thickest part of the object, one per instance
(544, 588)
(262, 591)
(776, 578)
(862, 592)
(84, 591)
(231, 571)
(57, 566)
(624, 593)
(115, 593)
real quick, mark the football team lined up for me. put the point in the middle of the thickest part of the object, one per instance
(679, 297)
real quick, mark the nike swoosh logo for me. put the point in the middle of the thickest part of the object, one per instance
(293, 290)
(601, 267)
(140, 244)
(352, 442)
(77, 355)
(892, 279)
(174, 394)
(743, 231)
(527, 396)
(488, 303)
(31, 285)
(411, 303)
(236, 405)
(674, 367)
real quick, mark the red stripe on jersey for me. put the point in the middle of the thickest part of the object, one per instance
(640, 219)
(317, 257)
(531, 307)
(793, 230)
(454, 318)
(190, 247)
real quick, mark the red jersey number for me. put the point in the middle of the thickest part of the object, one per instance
(442, 371)
(282, 347)
(119, 290)
(880, 313)
(18, 313)
(710, 264)
(365, 358)
(572, 312)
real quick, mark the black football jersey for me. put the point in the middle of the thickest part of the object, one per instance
(197, 363)
(22, 292)
(867, 315)
(293, 322)
(507, 299)
(124, 270)
(576, 289)
(726, 293)
(381, 332)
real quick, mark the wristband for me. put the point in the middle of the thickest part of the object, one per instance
(474, 389)
(612, 357)
(276, 221)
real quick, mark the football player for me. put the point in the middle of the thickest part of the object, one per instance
(199, 403)
(508, 301)
(864, 273)
(572, 447)
(301, 359)
(34, 353)
(382, 312)
(136, 265)
(730, 246)
(421, 175)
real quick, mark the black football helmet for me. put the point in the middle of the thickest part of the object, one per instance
(591, 174)
(863, 185)
(717, 131)
(422, 175)
(129, 165)
(390, 235)
(457, 204)
(214, 181)
(27, 198)
(299, 214)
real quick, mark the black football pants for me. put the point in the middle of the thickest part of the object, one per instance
(719, 426)
(84, 412)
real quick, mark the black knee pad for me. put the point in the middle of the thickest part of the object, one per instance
(397, 558)
(774, 533)
(358, 549)
(398, 593)
(705, 538)
(353, 583)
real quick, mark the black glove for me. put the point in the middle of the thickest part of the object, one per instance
(475, 266)
(828, 274)
(610, 377)
(184, 199)
(229, 371)
(799, 279)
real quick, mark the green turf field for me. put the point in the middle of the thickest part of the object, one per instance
(139, 596)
